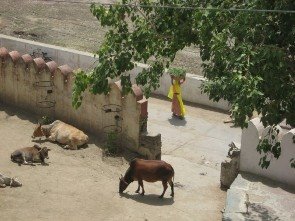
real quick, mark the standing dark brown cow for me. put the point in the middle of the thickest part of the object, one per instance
(150, 171)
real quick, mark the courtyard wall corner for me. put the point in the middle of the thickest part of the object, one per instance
(45, 88)
(279, 169)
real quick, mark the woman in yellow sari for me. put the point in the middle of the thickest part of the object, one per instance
(177, 108)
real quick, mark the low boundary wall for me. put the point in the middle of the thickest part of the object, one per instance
(76, 59)
(279, 169)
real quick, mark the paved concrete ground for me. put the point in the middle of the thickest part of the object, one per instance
(201, 138)
(83, 185)
(256, 198)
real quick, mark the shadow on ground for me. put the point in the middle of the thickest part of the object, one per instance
(259, 212)
(13, 111)
(150, 199)
(177, 122)
(267, 182)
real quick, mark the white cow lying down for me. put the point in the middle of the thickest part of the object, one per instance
(62, 133)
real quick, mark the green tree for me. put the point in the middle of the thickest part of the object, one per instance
(248, 56)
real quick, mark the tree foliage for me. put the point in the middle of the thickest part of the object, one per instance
(269, 147)
(248, 57)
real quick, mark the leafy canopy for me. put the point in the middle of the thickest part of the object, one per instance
(248, 57)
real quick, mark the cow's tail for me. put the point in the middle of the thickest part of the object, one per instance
(173, 174)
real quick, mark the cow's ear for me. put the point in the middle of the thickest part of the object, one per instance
(37, 147)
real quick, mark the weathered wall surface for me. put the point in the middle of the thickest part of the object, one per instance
(279, 169)
(46, 89)
(76, 59)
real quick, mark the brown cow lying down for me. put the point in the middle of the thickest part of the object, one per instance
(150, 171)
(30, 155)
(7, 181)
(62, 133)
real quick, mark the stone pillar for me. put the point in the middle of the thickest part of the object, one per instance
(230, 166)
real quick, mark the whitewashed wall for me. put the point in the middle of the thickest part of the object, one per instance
(77, 59)
(279, 169)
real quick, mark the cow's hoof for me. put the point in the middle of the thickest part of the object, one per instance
(161, 197)
(137, 191)
(142, 194)
(172, 195)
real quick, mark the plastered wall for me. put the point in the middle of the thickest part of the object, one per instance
(46, 90)
(279, 169)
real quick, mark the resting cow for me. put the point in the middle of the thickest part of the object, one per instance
(30, 155)
(62, 133)
(150, 171)
(8, 181)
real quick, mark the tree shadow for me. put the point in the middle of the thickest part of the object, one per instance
(84, 146)
(20, 113)
(267, 182)
(44, 140)
(259, 212)
(150, 199)
(177, 122)
(40, 141)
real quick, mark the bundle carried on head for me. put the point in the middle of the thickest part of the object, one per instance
(177, 73)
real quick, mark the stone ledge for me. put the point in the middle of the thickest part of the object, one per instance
(233, 217)
(236, 201)
(240, 183)
(252, 197)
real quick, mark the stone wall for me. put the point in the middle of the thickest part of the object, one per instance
(279, 169)
(46, 89)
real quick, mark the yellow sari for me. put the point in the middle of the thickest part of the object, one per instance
(176, 90)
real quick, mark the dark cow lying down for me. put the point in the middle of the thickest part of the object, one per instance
(150, 171)
(30, 155)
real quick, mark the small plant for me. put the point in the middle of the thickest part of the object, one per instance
(177, 72)
(46, 120)
(111, 144)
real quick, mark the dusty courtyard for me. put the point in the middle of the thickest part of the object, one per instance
(83, 185)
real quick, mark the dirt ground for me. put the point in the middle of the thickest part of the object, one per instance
(83, 185)
(69, 25)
